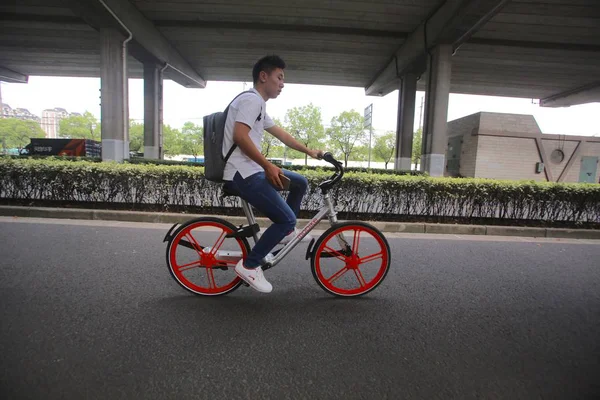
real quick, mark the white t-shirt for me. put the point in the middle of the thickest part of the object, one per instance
(249, 109)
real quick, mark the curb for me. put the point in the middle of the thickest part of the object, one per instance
(391, 227)
(517, 231)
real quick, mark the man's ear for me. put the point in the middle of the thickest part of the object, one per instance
(263, 76)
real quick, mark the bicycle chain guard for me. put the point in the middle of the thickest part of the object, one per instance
(244, 231)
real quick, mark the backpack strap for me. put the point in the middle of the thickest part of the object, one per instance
(232, 149)
(247, 91)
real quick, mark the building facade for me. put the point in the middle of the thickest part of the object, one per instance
(50, 122)
(18, 113)
(7, 111)
(511, 146)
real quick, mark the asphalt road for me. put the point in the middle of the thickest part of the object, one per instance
(88, 310)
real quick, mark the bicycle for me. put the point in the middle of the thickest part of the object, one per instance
(336, 262)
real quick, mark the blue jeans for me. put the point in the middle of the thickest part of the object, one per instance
(259, 192)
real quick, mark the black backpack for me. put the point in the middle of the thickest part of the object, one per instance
(214, 133)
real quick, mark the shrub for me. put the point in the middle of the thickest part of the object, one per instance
(359, 193)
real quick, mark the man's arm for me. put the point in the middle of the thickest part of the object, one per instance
(290, 141)
(241, 137)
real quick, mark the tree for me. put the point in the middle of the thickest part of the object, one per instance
(192, 139)
(385, 147)
(84, 126)
(172, 141)
(136, 136)
(15, 133)
(270, 144)
(304, 123)
(187, 141)
(360, 153)
(346, 132)
(416, 150)
(278, 151)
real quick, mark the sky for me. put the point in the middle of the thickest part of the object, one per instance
(183, 104)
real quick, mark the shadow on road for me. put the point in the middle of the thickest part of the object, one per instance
(293, 304)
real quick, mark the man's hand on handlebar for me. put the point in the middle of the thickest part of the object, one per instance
(318, 154)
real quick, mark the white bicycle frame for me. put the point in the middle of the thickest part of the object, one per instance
(328, 210)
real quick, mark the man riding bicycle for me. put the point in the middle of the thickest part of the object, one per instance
(256, 179)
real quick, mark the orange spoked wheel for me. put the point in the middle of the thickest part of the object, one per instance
(350, 259)
(201, 257)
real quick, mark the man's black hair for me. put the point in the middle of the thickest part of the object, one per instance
(267, 64)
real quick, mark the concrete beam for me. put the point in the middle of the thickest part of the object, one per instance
(589, 93)
(153, 108)
(8, 75)
(435, 138)
(406, 121)
(114, 100)
(453, 23)
(126, 17)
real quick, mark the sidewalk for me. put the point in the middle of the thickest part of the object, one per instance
(392, 227)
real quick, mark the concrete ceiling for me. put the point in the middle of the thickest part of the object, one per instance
(542, 49)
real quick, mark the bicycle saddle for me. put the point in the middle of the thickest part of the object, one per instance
(228, 190)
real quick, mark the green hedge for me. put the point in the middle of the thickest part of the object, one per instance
(385, 196)
(52, 158)
(141, 160)
(133, 160)
(288, 167)
(377, 171)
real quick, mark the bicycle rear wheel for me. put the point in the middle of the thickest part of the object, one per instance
(350, 259)
(202, 259)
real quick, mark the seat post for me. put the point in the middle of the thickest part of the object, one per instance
(249, 216)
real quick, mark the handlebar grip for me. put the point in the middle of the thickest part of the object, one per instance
(329, 158)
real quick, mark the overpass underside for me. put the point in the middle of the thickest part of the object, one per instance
(540, 49)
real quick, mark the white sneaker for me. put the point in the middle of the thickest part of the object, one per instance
(253, 277)
(292, 235)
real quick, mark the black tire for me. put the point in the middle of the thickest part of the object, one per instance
(349, 258)
(173, 247)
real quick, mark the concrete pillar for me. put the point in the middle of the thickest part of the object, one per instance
(114, 101)
(153, 106)
(436, 111)
(406, 120)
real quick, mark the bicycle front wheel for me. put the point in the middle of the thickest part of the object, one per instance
(202, 259)
(350, 259)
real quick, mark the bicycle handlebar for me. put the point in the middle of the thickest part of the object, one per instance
(337, 175)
